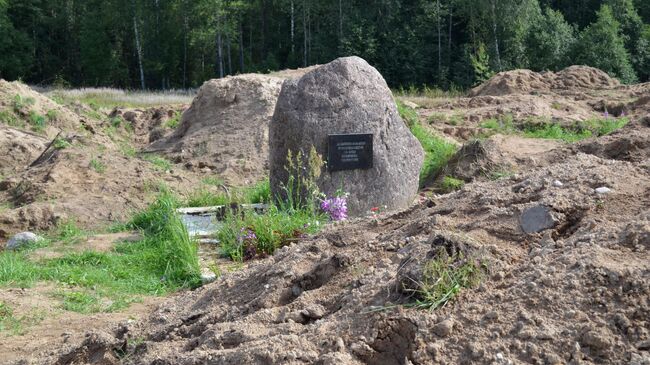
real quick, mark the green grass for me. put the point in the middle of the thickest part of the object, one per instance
(61, 143)
(160, 163)
(52, 115)
(127, 150)
(449, 184)
(253, 194)
(37, 121)
(174, 122)
(213, 181)
(549, 130)
(97, 165)
(273, 229)
(21, 103)
(164, 261)
(437, 151)
(8, 118)
(17, 326)
(443, 278)
(409, 115)
(69, 233)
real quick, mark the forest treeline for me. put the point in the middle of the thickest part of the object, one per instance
(158, 44)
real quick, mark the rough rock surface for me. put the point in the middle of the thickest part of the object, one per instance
(226, 128)
(343, 97)
(22, 239)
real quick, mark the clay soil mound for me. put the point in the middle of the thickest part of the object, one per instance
(23, 103)
(226, 128)
(577, 292)
(149, 124)
(526, 81)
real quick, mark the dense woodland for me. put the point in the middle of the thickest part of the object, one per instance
(159, 44)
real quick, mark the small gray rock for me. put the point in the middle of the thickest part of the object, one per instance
(558, 184)
(444, 328)
(22, 239)
(536, 219)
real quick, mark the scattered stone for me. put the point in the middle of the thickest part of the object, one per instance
(444, 328)
(22, 239)
(558, 184)
(603, 190)
(643, 345)
(553, 359)
(346, 96)
(597, 339)
(537, 219)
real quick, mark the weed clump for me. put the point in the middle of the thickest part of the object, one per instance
(444, 277)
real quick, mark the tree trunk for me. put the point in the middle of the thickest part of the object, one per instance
(241, 47)
(229, 54)
(219, 46)
(138, 47)
(340, 22)
(304, 31)
(293, 24)
(496, 37)
(439, 42)
(185, 30)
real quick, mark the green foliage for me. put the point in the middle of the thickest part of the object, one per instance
(273, 229)
(174, 122)
(37, 121)
(52, 115)
(61, 143)
(410, 116)
(437, 151)
(549, 130)
(480, 62)
(68, 232)
(20, 104)
(178, 253)
(10, 119)
(97, 165)
(444, 277)
(253, 194)
(159, 162)
(549, 41)
(601, 45)
(450, 183)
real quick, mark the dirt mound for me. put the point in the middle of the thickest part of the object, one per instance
(526, 81)
(225, 129)
(496, 157)
(23, 107)
(150, 124)
(631, 143)
(18, 149)
(578, 292)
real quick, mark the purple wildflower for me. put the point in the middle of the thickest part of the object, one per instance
(606, 114)
(336, 207)
(247, 234)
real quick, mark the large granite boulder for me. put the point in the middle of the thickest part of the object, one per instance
(346, 96)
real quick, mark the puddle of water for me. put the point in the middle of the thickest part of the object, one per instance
(201, 225)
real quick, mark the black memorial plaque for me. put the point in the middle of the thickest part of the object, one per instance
(349, 151)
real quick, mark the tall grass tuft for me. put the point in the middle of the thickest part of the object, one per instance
(163, 228)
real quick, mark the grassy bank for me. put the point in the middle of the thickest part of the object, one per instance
(165, 260)
(549, 130)
(437, 151)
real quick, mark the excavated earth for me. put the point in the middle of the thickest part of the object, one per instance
(577, 292)
(575, 94)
